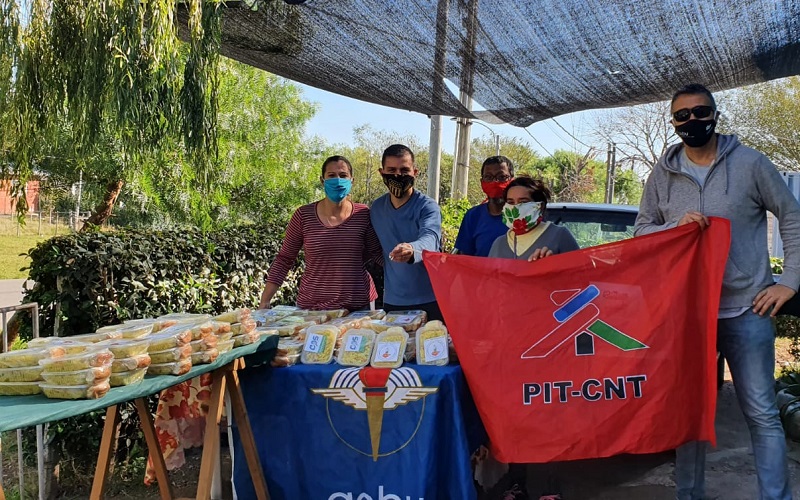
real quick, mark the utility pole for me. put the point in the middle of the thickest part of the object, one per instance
(435, 157)
(78, 201)
(611, 160)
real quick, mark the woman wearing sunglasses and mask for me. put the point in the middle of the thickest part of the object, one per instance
(529, 237)
(337, 237)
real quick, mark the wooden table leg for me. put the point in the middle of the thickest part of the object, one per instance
(2, 495)
(211, 439)
(106, 451)
(246, 436)
(154, 449)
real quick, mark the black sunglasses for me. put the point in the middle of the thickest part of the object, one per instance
(699, 112)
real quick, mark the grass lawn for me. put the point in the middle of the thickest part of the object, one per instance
(10, 260)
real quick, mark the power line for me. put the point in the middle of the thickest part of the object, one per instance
(537, 142)
(570, 134)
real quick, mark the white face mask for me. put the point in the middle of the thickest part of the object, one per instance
(523, 217)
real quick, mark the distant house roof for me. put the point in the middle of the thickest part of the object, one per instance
(523, 61)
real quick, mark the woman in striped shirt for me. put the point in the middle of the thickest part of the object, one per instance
(338, 240)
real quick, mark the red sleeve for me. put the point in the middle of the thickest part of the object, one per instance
(287, 256)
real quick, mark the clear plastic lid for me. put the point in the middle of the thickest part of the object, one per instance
(21, 374)
(224, 346)
(171, 337)
(125, 348)
(204, 344)
(408, 320)
(170, 355)
(371, 314)
(97, 336)
(132, 363)
(70, 346)
(76, 391)
(246, 339)
(74, 362)
(175, 368)
(89, 376)
(19, 388)
(287, 346)
(30, 357)
(356, 348)
(432, 345)
(235, 316)
(390, 346)
(205, 357)
(130, 377)
(319, 344)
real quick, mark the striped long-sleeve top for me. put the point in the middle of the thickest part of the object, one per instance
(335, 275)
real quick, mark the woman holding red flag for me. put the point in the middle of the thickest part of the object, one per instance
(529, 236)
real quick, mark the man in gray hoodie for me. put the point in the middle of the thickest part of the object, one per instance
(714, 175)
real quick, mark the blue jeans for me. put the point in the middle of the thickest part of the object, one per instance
(748, 344)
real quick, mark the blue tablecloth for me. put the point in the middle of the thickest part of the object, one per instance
(314, 439)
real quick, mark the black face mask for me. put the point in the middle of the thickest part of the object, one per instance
(398, 184)
(696, 133)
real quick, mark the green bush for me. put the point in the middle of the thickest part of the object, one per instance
(452, 213)
(92, 279)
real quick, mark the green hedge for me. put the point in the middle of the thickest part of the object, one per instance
(102, 278)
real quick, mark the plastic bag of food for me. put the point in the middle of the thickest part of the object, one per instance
(246, 339)
(70, 346)
(265, 332)
(130, 364)
(410, 321)
(235, 316)
(131, 377)
(290, 328)
(205, 357)
(319, 344)
(371, 314)
(75, 362)
(76, 391)
(345, 324)
(21, 374)
(19, 388)
(225, 336)
(210, 327)
(183, 318)
(284, 361)
(174, 368)
(356, 348)
(247, 325)
(123, 348)
(171, 337)
(152, 322)
(129, 330)
(431, 343)
(389, 348)
(224, 346)
(93, 338)
(264, 317)
(29, 357)
(171, 355)
(289, 346)
(333, 313)
(89, 376)
(204, 344)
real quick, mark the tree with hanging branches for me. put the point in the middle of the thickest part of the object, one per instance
(108, 83)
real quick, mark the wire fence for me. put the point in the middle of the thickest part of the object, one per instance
(49, 223)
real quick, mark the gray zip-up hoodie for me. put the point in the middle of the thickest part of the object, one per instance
(742, 184)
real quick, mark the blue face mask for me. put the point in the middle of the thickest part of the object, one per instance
(337, 189)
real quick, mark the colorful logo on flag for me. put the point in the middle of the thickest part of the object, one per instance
(579, 319)
(375, 390)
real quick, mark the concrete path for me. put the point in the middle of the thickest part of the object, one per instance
(10, 292)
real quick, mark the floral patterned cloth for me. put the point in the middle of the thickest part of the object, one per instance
(180, 421)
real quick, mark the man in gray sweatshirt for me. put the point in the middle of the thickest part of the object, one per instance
(714, 175)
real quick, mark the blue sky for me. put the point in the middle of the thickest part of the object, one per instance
(338, 116)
